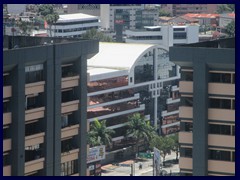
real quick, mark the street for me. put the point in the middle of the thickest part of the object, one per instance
(124, 168)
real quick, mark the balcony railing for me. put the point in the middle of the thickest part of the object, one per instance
(34, 88)
(34, 139)
(35, 113)
(68, 82)
(70, 106)
(69, 156)
(7, 91)
(34, 165)
(69, 131)
(7, 118)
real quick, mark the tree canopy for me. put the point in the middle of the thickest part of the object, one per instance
(230, 29)
(99, 134)
(225, 8)
(95, 34)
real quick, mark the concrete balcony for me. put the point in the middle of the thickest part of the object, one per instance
(34, 139)
(185, 112)
(221, 114)
(70, 106)
(7, 91)
(34, 165)
(221, 89)
(69, 82)
(7, 170)
(35, 113)
(165, 113)
(69, 156)
(7, 144)
(185, 163)
(221, 166)
(69, 131)
(186, 137)
(7, 118)
(171, 100)
(221, 140)
(34, 88)
(186, 87)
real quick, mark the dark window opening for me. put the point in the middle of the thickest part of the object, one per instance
(186, 76)
(220, 77)
(220, 103)
(220, 155)
(187, 101)
(69, 168)
(68, 96)
(219, 129)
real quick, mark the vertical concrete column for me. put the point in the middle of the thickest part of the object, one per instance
(200, 117)
(18, 120)
(49, 113)
(81, 114)
(57, 52)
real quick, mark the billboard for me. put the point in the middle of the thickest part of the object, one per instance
(96, 154)
(156, 162)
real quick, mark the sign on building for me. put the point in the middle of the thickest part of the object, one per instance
(96, 154)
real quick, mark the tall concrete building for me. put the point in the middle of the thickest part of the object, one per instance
(130, 16)
(45, 106)
(181, 9)
(207, 110)
(90, 9)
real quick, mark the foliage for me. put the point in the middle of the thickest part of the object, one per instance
(175, 147)
(164, 144)
(99, 134)
(49, 15)
(164, 13)
(224, 8)
(94, 34)
(25, 27)
(139, 128)
(230, 29)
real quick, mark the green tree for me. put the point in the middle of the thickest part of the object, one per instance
(224, 8)
(99, 134)
(25, 27)
(95, 34)
(49, 15)
(164, 144)
(164, 13)
(175, 147)
(230, 29)
(140, 129)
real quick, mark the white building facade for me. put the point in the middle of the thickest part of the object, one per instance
(167, 35)
(73, 25)
(132, 78)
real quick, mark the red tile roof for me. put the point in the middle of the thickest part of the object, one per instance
(202, 15)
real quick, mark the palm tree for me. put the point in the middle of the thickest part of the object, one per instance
(140, 129)
(99, 134)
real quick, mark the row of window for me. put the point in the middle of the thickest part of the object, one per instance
(213, 77)
(76, 22)
(146, 37)
(212, 154)
(75, 29)
(180, 35)
(212, 128)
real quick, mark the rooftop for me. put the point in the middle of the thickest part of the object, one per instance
(202, 15)
(75, 17)
(219, 43)
(118, 56)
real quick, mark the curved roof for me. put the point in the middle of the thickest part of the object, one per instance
(121, 56)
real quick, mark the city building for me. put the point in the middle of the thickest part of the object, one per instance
(207, 109)
(205, 19)
(166, 35)
(182, 20)
(90, 9)
(181, 9)
(132, 78)
(225, 19)
(129, 16)
(16, 8)
(73, 25)
(45, 105)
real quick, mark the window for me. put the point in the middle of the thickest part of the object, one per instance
(187, 101)
(186, 152)
(64, 121)
(219, 129)
(233, 156)
(6, 106)
(220, 103)
(34, 73)
(68, 168)
(220, 155)
(180, 35)
(220, 77)
(187, 75)
(179, 29)
(233, 130)
(34, 101)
